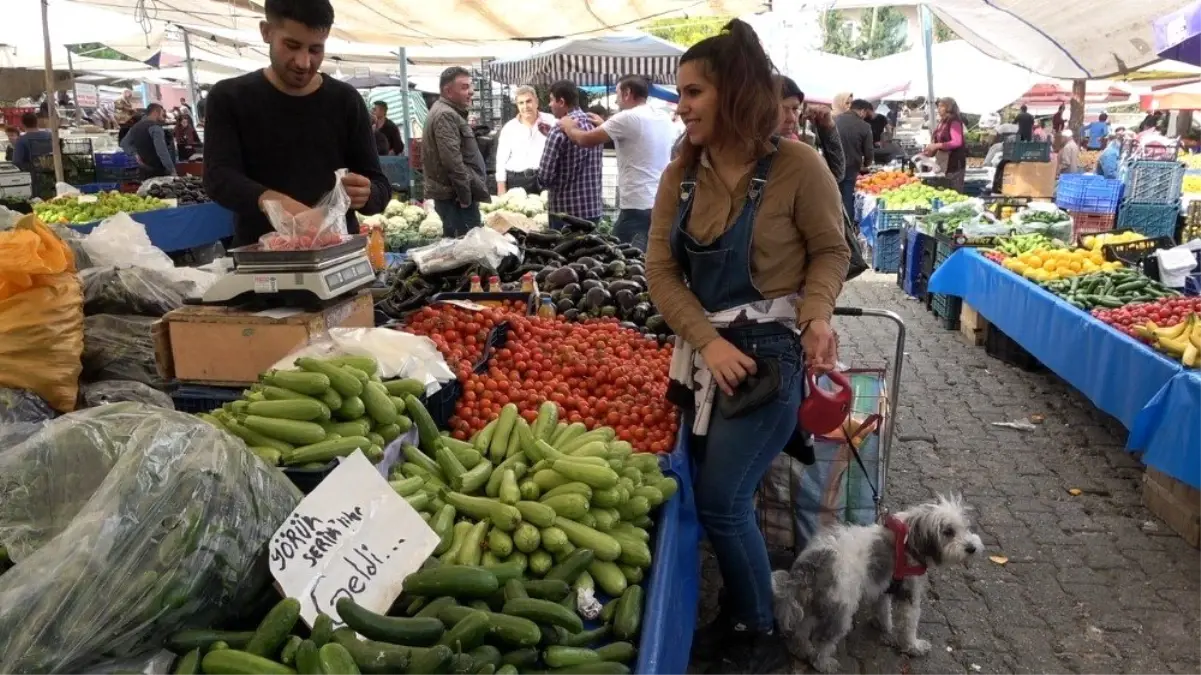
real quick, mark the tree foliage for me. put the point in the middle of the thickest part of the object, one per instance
(686, 32)
(881, 32)
(96, 50)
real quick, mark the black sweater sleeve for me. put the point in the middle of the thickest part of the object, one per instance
(225, 180)
(363, 159)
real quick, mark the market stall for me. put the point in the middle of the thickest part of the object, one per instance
(593, 61)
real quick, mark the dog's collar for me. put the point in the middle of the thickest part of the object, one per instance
(902, 568)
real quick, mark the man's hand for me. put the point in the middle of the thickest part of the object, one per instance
(568, 123)
(544, 128)
(595, 119)
(358, 188)
(821, 346)
(820, 117)
(290, 206)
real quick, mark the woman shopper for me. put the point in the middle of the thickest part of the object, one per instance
(949, 142)
(187, 141)
(746, 258)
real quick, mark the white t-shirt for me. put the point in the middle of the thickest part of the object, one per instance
(519, 147)
(643, 137)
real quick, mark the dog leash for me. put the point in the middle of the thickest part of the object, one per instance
(858, 459)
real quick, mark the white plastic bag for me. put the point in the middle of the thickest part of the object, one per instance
(121, 241)
(480, 245)
(66, 190)
(321, 226)
(399, 354)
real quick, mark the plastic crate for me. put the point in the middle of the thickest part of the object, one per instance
(947, 308)
(886, 254)
(1154, 182)
(77, 146)
(1026, 151)
(396, 170)
(115, 160)
(12, 116)
(1000, 346)
(912, 253)
(192, 398)
(93, 188)
(1088, 193)
(106, 174)
(1192, 284)
(1091, 223)
(890, 220)
(1149, 220)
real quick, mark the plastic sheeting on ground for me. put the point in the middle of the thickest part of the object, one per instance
(183, 227)
(1145, 391)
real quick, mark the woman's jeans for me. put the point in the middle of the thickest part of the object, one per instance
(737, 454)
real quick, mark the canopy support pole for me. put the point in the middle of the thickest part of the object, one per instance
(187, 54)
(928, 45)
(74, 89)
(406, 112)
(51, 106)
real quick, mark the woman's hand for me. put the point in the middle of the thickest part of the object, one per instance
(821, 347)
(727, 363)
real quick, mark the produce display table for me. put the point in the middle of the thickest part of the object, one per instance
(1152, 396)
(182, 227)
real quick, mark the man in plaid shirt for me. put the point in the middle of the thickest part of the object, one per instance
(571, 173)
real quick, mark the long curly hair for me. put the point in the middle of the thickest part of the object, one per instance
(748, 108)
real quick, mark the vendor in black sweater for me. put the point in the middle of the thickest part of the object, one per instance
(279, 134)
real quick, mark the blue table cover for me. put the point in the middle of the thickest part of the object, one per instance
(182, 227)
(1151, 395)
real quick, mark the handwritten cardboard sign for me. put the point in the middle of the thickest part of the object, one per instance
(352, 537)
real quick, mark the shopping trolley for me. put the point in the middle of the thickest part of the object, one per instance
(847, 480)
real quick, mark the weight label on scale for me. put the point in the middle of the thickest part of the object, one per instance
(266, 283)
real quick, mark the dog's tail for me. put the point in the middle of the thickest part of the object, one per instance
(790, 598)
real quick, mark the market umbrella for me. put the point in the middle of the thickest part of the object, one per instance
(1178, 35)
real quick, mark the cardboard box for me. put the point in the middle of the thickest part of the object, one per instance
(1028, 179)
(972, 326)
(1175, 503)
(231, 346)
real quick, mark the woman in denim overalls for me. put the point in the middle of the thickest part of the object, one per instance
(730, 135)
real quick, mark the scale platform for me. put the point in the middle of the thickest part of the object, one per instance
(294, 276)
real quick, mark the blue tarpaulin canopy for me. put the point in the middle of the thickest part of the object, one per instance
(1178, 35)
(661, 92)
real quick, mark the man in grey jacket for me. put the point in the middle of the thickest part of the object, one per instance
(453, 165)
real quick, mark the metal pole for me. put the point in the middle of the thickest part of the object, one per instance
(187, 54)
(406, 111)
(928, 43)
(74, 89)
(50, 105)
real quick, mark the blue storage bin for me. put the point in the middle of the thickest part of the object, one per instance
(115, 160)
(194, 398)
(1149, 220)
(1154, 182)
(1088, 193)
(886, 254)
(911, 266)
(93, 188)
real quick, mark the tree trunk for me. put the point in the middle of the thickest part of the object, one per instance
(1076, 120)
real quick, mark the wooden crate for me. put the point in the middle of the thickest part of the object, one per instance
(1175, 503)
(972, 326)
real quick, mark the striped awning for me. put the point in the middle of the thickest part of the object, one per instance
(584, 70)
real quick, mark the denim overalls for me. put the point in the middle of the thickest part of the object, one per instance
(739, 451)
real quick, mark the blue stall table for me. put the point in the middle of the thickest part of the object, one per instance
(1151, 395)
(182, 227)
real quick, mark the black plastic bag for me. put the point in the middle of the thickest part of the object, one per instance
(117, 391)
(130, 290)
(120, 347)
(19, 406)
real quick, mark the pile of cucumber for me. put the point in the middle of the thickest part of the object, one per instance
(327, 409)
(1108, 290)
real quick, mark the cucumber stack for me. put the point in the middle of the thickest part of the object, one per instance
(326, 409)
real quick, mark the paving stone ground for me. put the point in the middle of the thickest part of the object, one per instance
(1093, 584)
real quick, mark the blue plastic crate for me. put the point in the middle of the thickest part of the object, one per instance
(888, 220)
(192, 398)
(93, 188)
(1154, 182)
(115, 160)
(886, 254)
(911, 267)
(1192, 284)
(1149, 220)
(1088, 193)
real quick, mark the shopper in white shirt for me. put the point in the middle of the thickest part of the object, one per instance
(519, 149)
(644, 138)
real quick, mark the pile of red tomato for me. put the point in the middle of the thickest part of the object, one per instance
(599, 374)
(1163, 312)
(460, 333)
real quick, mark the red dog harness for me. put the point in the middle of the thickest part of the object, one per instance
(902, 567)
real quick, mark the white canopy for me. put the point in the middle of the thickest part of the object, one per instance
(1070, 39)
(593, 61)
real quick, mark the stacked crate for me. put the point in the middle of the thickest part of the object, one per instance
(115, 167)
(1152, 198)
(890, 229)
(1091, 201)
(946, 307)
(917, 262)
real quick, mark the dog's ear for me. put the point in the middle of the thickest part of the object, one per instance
(925, 542)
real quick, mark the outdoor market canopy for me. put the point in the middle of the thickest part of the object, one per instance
(593, 61)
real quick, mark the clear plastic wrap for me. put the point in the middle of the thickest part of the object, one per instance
(121, 241)
(399, 354)
(480, 245)
(18, 406)
(127, 523)
(120, 347)
(117, 391)
(132, 290)
(74, 240)
(321, 226)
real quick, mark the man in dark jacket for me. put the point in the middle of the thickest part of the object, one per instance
(385, 126)
(1025, 122)
(858, 149)
(453, 166)
(147, 141)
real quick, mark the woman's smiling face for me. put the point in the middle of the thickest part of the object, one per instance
(698, 102)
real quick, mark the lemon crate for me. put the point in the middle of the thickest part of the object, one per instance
(1088, 193)
(886, 254)
(1090, 223)
(1154, 182)
(1149, 220)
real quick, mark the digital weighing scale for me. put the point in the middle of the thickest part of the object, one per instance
(294, 276)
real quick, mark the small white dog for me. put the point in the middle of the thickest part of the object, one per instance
(848, 565)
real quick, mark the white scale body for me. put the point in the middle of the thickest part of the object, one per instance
(324, 279)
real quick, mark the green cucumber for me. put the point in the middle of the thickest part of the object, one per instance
(274, 629)
(443, 524)
(514, 589)
(486, 654)
(323, 629)
(508, 491)
(524, 658)
(500, 543)
(293, 409)
(512, 630)
(547, 421)
(483, 438)
(289, 431)
(593, 668)
(633, 575)
(307, 661)
(570, 488)
(476, 478)
(367, 364)
(254, 438)
(434, 661)
(608, 577)
(584, 638)
(472, 548)
(378, 405)
(468, 633)
(547, 589)
(573, 506)
(287, 655)
(536, 513)
(185, 641)
(544, 611)
(628, 618)
(499, 446)
(405, 387)
(235, 662)
(620, 652)
(188, 664)
(312, 384)
(452, 580)
(427, 431)
(334, 658)
(345, 383)
(570, 568)
(325, 451)
(502, 515)
(415, 631)
(559, 656)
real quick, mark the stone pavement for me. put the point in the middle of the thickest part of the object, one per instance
(1093, 584)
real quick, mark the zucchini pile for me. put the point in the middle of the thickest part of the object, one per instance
(1108, 290)
(327, 409)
